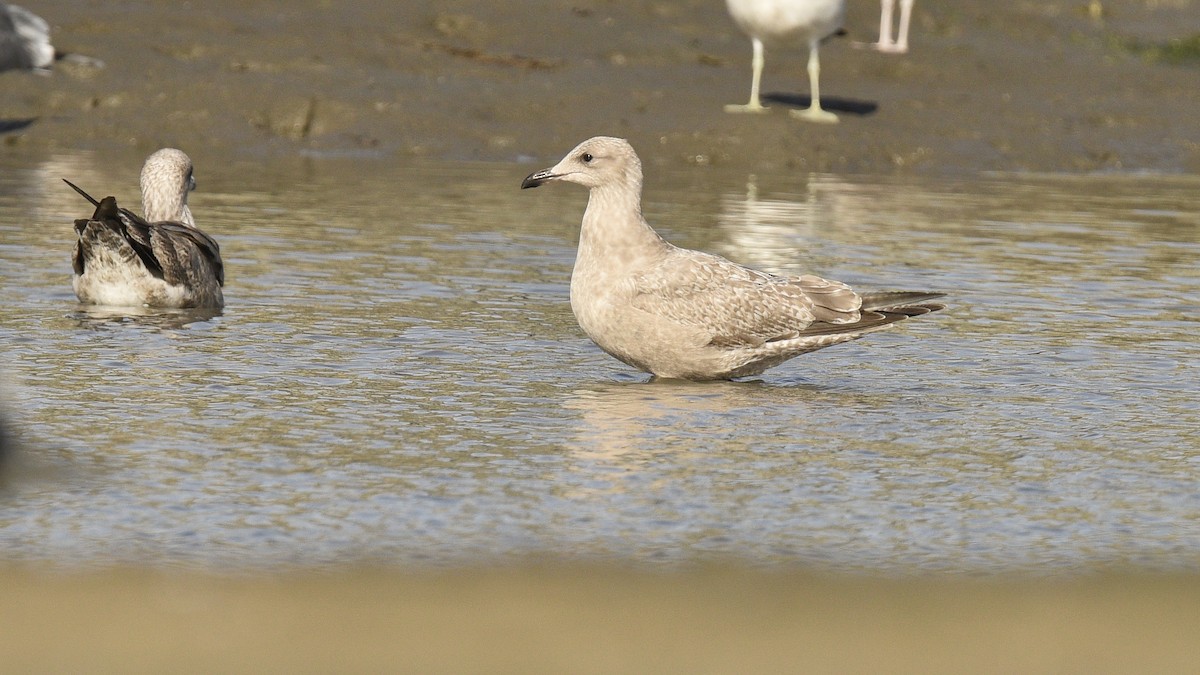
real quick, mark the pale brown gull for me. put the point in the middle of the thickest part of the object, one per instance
(686, 314)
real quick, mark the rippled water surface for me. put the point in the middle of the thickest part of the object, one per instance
(398, 378)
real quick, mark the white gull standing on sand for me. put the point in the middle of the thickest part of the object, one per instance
(162, 260)
(684, 314)
(25, 43)
(886, 43)
(24, 40)
(773, 20)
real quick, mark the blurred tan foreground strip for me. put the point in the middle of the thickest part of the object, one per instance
(542, 619)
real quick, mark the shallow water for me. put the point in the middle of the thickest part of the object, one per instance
(398, 378)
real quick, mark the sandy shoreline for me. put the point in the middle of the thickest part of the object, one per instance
(986, 87)
(584, 620)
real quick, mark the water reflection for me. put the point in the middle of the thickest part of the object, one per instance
(8, 448)
(622, 422)
(775, 235)
(98, 317)
(398, 378)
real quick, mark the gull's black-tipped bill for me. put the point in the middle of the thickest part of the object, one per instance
(537, 178)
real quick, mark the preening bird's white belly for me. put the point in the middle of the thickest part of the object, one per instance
(776, 19)
(128, 287)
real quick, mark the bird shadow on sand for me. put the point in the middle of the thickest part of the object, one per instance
(836, 104)
(9, 126)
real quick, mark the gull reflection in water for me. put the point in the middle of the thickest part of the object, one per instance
(829, 223)
(795, 231)
(768, 234)
(636, 436)
(99, 316)
(623, 418)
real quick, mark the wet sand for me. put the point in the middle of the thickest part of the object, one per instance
(1045, 86)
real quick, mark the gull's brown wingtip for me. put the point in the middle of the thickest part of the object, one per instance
(80, 191)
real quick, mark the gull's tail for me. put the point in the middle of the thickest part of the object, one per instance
(72, 57)
(899, 301)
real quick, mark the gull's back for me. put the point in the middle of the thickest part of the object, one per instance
(122, 260)
(161, 260)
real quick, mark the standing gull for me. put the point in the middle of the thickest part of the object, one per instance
(886, 43)
(25, 42)
(684, 314)
(162, 260)
(772, 20)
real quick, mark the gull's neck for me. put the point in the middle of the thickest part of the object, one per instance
(185, 216)
(613, 227)
(159, 207)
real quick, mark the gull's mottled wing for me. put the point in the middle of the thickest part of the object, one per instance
(181, 249)
(739, 306)
(109, 228)
(170, 251)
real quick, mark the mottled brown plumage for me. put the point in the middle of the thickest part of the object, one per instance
(122, 259)
(680, 313)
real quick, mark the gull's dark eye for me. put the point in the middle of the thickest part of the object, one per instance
(587, 157)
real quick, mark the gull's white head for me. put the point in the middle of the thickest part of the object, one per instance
(598, 162)
(166, 181)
